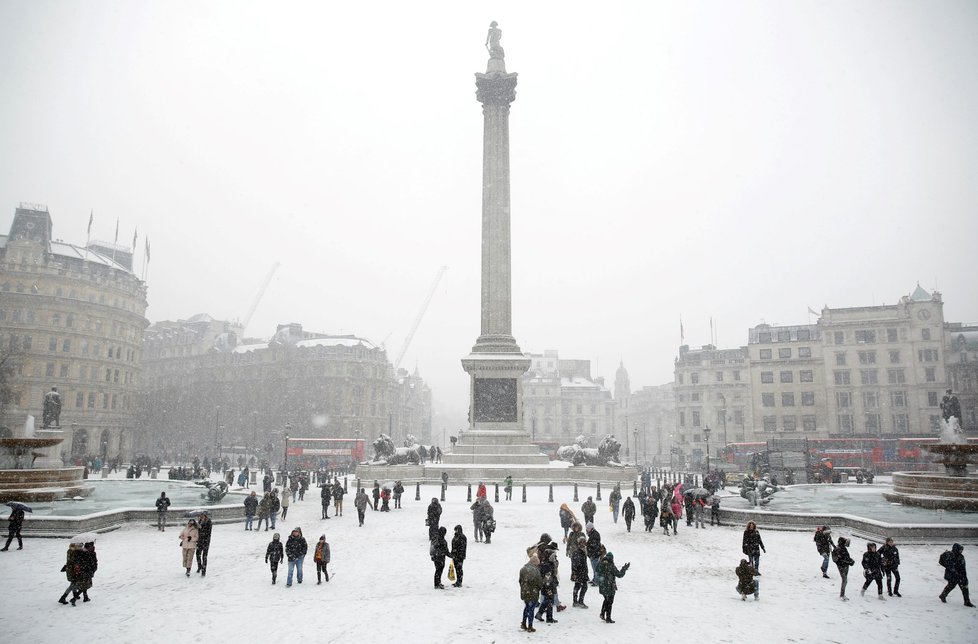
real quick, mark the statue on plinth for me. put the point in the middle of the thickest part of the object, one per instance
(52, 409)
(385, 453)
(606, 454)
(492, 41)
(951, 408)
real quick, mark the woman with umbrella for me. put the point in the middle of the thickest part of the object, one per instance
(15, 523)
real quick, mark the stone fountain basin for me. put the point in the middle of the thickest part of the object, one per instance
(29, 442)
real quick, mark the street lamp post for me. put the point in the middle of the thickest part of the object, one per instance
(288, 428)
(217, 430)
(254, 434)
(723, 410)
(706, 435)
(635, 443)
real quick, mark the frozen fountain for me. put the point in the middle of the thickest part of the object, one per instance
(955, 488)
(29, 472)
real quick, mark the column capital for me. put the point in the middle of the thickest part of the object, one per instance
(495, 88)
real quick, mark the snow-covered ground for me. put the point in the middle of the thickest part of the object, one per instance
(678, 589)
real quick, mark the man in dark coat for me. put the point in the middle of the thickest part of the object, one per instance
(956, 573)
(840, 555)
(589, 509)
(628, 512)
(459, 546)
(593, 550)
(872, 569)
(890, 555)
(15, 523)
(325, 496)
(438, 551)
(579, 573)
(823, 543)
(434, 518)
(162, 506)
(204, 528)
(376, 495)
(295, 551)
(531, 583)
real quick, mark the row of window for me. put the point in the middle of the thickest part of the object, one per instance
(871, 376)
(91, 374)
(790, 423)
(118, 329)
(784, 335)
(738, 417)
(6, 287)
(807, 399)
(694, 378)
(869, 336)
(784, 353)
(871, 399)
(805, 375)
(872, 423)
(89, 400)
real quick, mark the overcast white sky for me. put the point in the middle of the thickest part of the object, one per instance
(744, 160)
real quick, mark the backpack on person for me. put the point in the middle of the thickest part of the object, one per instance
(835, 555)
(944, 558)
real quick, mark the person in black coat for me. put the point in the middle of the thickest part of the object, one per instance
(15, 523)
(593, 550)
(438, 551)
(325, 496)
(752, 546)
(459, 547)
(823, 543)
(579, 573)
(295, 551)
(204, 528)
(628, 512)
(842, 559)
(86, 563)
(376, 495)
(872, 569)
(890, 555)
(956, 573)
(274, 554)
(433, 519)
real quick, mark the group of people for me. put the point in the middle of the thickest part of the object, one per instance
(294, 552)
(539, 578)
(483, 524)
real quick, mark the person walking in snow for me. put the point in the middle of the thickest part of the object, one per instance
(284, 502)
(376, 495)
(890, 555)
(608, 585)
(250, 508)
(458, 552)
(842, 559)
(86, 563)
(338, 494)
(628, 512)
(752, 546)
(614, 501)
(567, 519)
(872, 569)
(438, 550)
(360, 502)
(488, 522)
(531, 583)
(667, 519)
(823, 543)
(188, 544)
(589, 509)
(162, 507)
(274, 554)
(69, 570)
(204, 529)
(508, 487)
(577, 531)
(955, 573)
(593, 551)
(295, 551)
(321, 557)
(477, 517)
(325, 496)
(264, 510)
(433, 518)
(579, 574)
(398, 491)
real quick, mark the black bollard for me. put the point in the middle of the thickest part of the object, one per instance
(524, 493)
(575, 493)
(468, 497)
(417, 491)
(550, 498)
(634, 488)
(598, 496)
(497, 492)
(346, 489)
(443, 486)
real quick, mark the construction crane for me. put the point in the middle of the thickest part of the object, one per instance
(417, 320)
(261, 293)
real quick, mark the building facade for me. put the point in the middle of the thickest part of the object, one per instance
(651, 423)
(862, 372)
(71, 317)
(561, 401)
(206, 390)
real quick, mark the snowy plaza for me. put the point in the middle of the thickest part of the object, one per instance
(679, 588)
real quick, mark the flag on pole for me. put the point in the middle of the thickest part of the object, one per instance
(811, 311)
(116, 231)
(91, 218)
(135, 232)
(147, 249)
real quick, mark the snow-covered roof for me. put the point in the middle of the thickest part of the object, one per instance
(64, 249)
(337, 341)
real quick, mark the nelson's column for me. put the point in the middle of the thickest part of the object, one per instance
(495, 433)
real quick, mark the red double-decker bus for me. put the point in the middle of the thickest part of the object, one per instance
(323, 453)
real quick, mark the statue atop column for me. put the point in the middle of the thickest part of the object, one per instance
(492, 41)
(52, 409)
(951, 408)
